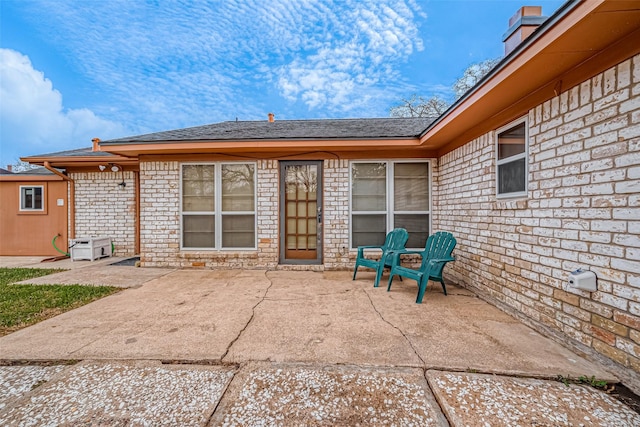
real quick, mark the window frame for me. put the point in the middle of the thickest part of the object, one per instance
(22, 194)
(390, 211)
(524, 155)
(218, 212)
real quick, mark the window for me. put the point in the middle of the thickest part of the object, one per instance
(218, 206)
(31, 198)
(511, 164)
(386, 195)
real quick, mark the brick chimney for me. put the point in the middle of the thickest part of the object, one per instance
(521, 25)
(9, 168)
(96, 141)
(272, 118)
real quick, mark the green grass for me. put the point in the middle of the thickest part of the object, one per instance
(24, 305)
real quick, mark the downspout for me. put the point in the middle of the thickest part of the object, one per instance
(72, 198)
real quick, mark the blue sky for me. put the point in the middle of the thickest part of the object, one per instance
(74, 70)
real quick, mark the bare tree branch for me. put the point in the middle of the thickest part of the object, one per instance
(472, 75)
(417, 106)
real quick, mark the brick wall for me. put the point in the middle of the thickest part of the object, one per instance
(336, 215)
(159, 214)
(583, 210)
(104, 208)
(160, 221)
(268, 214)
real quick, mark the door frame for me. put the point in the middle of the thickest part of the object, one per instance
(282, 215)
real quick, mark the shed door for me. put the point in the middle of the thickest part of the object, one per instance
(301, 212)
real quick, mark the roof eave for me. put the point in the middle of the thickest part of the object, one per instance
(257, 145)
(472, 115)
(29, 178)
(80, 161)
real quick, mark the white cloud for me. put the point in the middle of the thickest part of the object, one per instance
(32, 117)
(167, 64)
(374, 38)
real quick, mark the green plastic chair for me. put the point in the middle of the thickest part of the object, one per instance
(436, 254)
(395, 241)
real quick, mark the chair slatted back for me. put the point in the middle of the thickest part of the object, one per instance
(439, 245)
(397, 239)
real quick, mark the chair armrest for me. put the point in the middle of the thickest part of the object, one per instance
(442, 259)
(407, 252)
(398, 253)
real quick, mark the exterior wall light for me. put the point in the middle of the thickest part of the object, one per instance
(114, 168)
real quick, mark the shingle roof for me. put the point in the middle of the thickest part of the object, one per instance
(290, 129)
(78, 152)
(35, 171)
(5, 172)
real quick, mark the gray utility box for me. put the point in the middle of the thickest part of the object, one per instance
(90, 248)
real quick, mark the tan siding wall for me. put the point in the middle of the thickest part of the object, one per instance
(30, 233)
(583, 210)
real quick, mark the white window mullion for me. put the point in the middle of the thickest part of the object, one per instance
(390, 198)
(218, 206)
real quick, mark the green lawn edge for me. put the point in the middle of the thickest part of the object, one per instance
(23, 305)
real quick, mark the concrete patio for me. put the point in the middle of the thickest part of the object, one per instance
(280, 331)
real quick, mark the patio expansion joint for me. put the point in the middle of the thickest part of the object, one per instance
(424, 364)
(253, 314)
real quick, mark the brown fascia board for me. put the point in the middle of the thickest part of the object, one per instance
(533, 72)
(29, 178)
(79, 161)
(296, 145)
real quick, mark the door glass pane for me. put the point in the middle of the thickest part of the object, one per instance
(411, 187)
(302, 179)
(369, 186)
(238, 231)
(198, 188)
(302, 226)
(368, 229)
(238, 189)
(301, 188)
(312, 244)
(418, 227)
(291, 209)
(198, 231)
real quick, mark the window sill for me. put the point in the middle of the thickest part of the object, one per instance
(189, 252)
(32, 212)
(513, 204)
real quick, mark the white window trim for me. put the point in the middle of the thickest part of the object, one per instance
(390, 208)
(217, 212)
(41, 187)
(525, 156)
